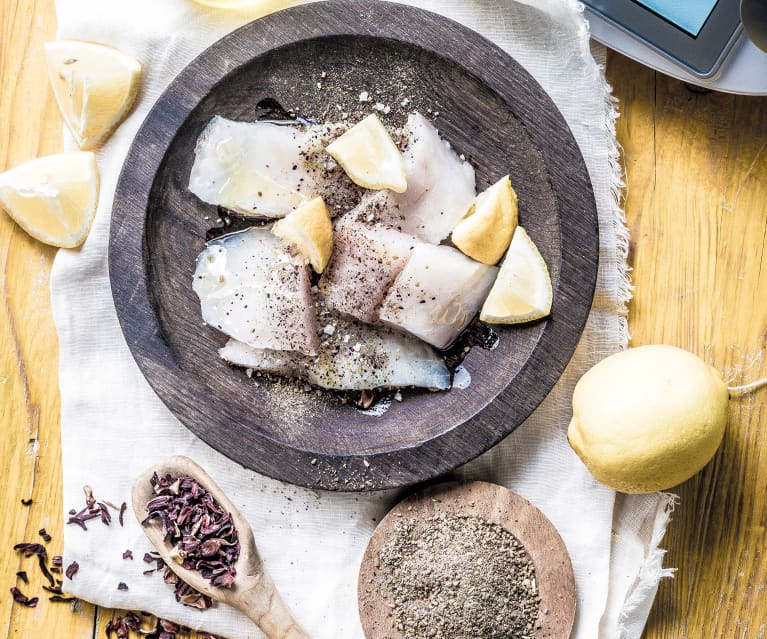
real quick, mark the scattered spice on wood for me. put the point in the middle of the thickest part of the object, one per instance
(42, 557)
(128, 554)
(23, 576)
(122, 586)
(71, 570)
(61, 599)
(20, 598)
(202, 533)
(44, 534)
(26, 502)
(460, 577)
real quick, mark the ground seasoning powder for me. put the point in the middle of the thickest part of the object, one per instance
(460, 578)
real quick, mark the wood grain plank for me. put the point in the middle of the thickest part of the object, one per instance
(29, 417)
(710, 160)
(697, 173)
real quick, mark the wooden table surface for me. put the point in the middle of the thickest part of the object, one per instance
(696, 204)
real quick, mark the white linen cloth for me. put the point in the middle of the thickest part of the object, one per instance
(113, 425)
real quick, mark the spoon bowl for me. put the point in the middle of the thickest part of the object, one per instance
(253, 591)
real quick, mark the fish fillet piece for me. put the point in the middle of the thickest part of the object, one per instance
(353, 357)
(264, 169)
(254, 288)
(440, 186)
(366, 261)
(437, 294)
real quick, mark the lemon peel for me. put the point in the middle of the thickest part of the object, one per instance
(522, 291)
(369, 156)
(95, 87)
(485, 232)
(53, 198)
(648, 418)
(310, 230)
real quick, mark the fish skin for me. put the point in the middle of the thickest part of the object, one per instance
(354, 357)
(254, 288)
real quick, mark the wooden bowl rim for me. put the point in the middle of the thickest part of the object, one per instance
(570, 184)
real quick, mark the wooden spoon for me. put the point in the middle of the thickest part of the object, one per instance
(495, 504)
(253, 591)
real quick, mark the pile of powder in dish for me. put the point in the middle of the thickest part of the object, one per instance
(460, 578)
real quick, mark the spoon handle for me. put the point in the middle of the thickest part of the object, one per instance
(263, 604)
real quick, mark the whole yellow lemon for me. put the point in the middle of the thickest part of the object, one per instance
(648, 418)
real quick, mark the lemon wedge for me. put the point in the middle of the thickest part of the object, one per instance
(53, 198)
(522, 291)
(369, 156)
(256, 7)
(95, 87)
(309, 229)
(485, 231)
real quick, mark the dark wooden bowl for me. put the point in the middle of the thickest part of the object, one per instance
(490, 109)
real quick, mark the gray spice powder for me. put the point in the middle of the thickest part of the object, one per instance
(460, 578)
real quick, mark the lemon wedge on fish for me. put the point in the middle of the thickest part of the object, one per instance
(310, 230)
(522, 291)
(94, 85)
(53, 198)
(486, 230)
(369, 156)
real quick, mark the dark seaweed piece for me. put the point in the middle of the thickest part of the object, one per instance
(42, 557)
(106, 518)
(121, 516)
(122, 586)
(93, 509)
(61, 599)
(201, 532)
(128, 554)
(122, 626)
(71, 570)
(131, 621)
(56, 590)
(21, 598)
(23, 576)
(44, 534)
(26, 502)
(57, 560)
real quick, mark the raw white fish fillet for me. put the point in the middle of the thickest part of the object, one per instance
(267, 170)
(366, 261)
(437, 294)
(440, 186)
(353, 357)
(254, 288)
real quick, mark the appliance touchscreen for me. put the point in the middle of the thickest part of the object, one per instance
(688, 15)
